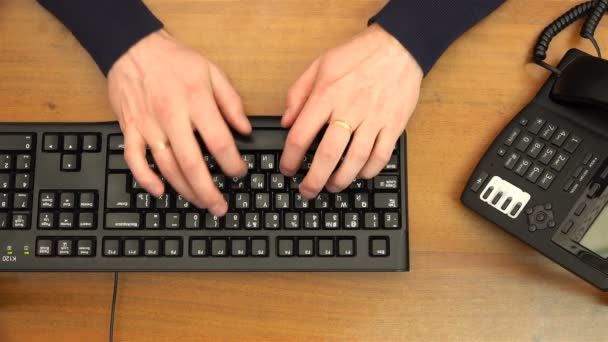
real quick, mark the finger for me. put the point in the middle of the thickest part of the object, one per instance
(164, 158)
(193, 167)
(229, 101)
(298, 94)
(357, 156)
(216, 136)
(315, 114)
(381, 154)
(326, 158)
(135, 156)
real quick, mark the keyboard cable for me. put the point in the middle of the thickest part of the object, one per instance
(113, 310)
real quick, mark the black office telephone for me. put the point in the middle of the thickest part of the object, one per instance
(545, 177)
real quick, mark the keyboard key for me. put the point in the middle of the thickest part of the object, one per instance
(24, 162)
(21, 201)
(181, 202)
(341, 201)
(23, 181)
(322, 201)
(152, 220)
(15, 142)
(69, 162)
(393, 164)
(172, 248)
(259, 247)
(386, 200)
(90, 143)
(379, 247)
(122, 220)
(281, 201)
(219, 247)
(117, 162)
(44, 247)
(258, 181)
(116, 143)
(232, 221)
(50, 143)
(131, 248)
(86, 220)
(4, 200)
(262, 201)
(5, 181)
(242, 201)
(361, 201)
(272, 221)
(351, 221)
(306, 247)
(300, 202)
(87, 200)
(152, 247)
(277, 181)
(66, 200)
(64, 248)
(4, 220)
(46, 220)
(163, 202)
(325, 247)
(20, 221)
(172, 220)
(66, 220)
(238, 247)
(252, 221)
(285, 247)
(212, 221)
(193, 221)
(198, 247)
(267, 162)
(311, 221)
(386, 183)
(85, 248)
(331, 221)
(117, 196)
(346, 247)
(391, 220)
(6, 162)
(249, 160)
(70, 143)
(111, 247)
(371, 221)
(292, 220)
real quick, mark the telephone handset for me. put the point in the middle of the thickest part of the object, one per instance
(545, 177)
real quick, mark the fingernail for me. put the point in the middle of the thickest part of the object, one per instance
(219, 209)
(306, 193)
(332, 188)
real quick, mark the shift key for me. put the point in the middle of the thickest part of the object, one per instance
(122, 221)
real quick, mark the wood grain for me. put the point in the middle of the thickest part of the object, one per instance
(469, 280)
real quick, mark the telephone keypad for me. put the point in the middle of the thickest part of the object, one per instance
(549, 147)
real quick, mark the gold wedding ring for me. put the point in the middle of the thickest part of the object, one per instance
(342, 124)
(161, 146)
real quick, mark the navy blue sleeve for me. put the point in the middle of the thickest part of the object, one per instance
(427, 27)
(105, 28)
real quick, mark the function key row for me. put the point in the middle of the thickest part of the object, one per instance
(319, 246)
(136, 247)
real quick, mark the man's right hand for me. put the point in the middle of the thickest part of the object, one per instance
(161, 91)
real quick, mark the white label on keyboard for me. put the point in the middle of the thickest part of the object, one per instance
(505, 197)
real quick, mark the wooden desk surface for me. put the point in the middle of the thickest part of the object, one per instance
(469, 281)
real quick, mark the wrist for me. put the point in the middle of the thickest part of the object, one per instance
(394, 47)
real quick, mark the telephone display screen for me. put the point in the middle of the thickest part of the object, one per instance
(596, 239)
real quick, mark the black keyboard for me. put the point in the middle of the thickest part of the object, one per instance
(68, 202)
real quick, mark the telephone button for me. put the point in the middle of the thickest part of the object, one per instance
(536, 126)
(573, 143)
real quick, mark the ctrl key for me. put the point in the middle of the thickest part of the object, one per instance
(44, 247)
(378, 246)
